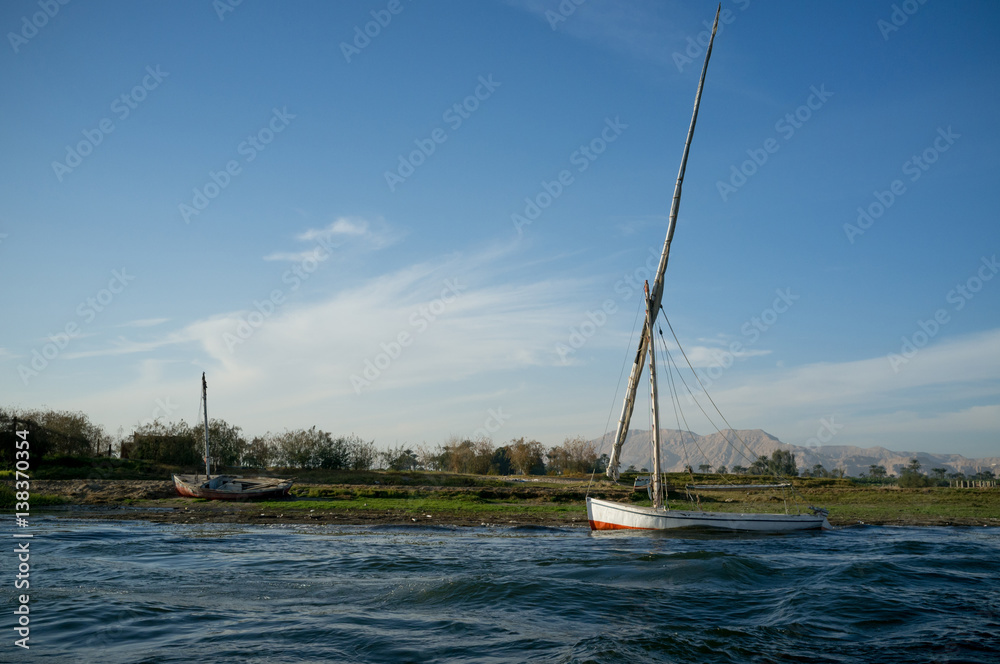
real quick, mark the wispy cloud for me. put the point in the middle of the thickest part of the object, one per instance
(342, 226)
(361, 234)
(145, 322)
(635, 29)
(460, 321)
(929, 396)
(316, 254)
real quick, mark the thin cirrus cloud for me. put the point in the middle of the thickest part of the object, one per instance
(460, 320)
(634, 29)
(933, 387)
(145, 322)
(360, 234)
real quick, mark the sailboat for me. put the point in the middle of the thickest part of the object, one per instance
(610, 515)
(226, 487)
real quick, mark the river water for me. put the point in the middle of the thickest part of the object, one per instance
(129, 591)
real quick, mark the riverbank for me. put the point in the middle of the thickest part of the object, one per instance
(548, 502)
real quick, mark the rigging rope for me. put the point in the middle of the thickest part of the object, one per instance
(774, 474)
(676, 402)
(672, 366)
(702, 409)
(705, 391)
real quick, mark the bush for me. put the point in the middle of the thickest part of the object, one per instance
(909, 479)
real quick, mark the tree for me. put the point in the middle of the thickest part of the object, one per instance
(330, 453)
(575, 455)
(258, 453)
(938, 473)
(782, 463)
(430, 459)
(483, 449)
(466, 456)
(818, 471)
(704, 468)
(293, 449)
(721, 470)
(171, 443)
(362, 454)
(500, 462)
(759, 466)
(68, 433)
(226, 442)
(526, 456)
(877, 472)
(739, 470)
(911, 477)
(399, 458)
(309, 448)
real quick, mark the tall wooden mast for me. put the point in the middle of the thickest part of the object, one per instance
(656, 295)
(655, 405)
(204, 401)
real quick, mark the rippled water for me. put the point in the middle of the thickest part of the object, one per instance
(136, 592)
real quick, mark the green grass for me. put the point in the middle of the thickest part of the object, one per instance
(846, 503)
(430, 492)
(888, 503)
(427, 505)
(8, 498)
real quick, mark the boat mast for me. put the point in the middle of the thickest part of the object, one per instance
(657, 292)
(657, 493)
(204, 401)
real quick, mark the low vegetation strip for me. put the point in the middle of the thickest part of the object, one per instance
(469, 500)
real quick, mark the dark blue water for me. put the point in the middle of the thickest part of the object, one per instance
(136, 592)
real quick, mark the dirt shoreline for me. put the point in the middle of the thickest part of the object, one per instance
(156, 501)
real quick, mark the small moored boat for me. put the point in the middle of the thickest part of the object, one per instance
(226, 487)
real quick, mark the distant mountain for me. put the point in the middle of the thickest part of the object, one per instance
(685, 447)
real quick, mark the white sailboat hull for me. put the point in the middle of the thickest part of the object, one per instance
(608, 515)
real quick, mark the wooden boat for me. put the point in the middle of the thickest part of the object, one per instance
(610, 515)
(224, 487)
(227, 487)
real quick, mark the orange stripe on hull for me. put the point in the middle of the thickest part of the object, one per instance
(601, 525)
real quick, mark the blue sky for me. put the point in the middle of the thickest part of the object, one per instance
(265, 193)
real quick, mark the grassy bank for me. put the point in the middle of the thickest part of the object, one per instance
(8, 498)
(382, 496)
